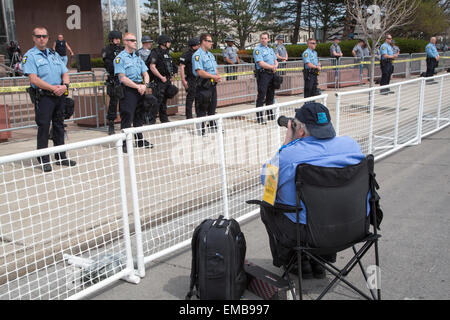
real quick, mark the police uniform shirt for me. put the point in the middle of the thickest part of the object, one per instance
(431, 51)
(266, 54)
(203, 60)
(386, 49)
(335, 48)
(186, 60)
(359, 51)
(230, 53)
(395, 49)
(310, 56)
(143, 53)
(281, 50)
(47, 66)
(131, 65)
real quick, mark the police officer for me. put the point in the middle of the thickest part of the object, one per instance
(187, 76)
(49, 79)
(360, 51)
(204, 68)
(132, 73)
(335, 49)
(386, 57)
(231, 57)
(311, 69)
(432, 59)
(162, 70)
(144, 52)
(109, 54)
(266, 67)
(281, 54)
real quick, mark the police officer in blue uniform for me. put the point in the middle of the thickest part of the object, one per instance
(432, 58)
(231, 57)
(311, 69)
(266, 67)
(386, 57)
(132, 73)
(204, 68)
(187, 76)
(50, 82)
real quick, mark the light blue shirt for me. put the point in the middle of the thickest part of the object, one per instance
(310, 56)
(131, 65)
(386, 48)
(48, 67)
(203, 60)
(230, 53)
(335, 152)
(265, 54)
(431, 51)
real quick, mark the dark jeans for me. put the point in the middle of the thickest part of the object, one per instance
(205, 103)
(266, 94)
(386, 72)
(310, 85)
(231, 69)
(50, 109)
(190, 97)
(431, 65)
(160, 93)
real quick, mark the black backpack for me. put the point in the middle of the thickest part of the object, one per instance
(218, 254)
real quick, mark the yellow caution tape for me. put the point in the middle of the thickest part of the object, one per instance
(234, 74)
(72, 86)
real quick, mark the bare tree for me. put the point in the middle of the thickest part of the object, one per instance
(378, 19)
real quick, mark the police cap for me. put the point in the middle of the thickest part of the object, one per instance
(229, 39)
(279, 37)
(163, 39)
(146, 39)
(194, 42)
(115, 35)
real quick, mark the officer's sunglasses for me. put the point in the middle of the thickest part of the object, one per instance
(210, 41)
(44, 36)
(312, 42)
(131, 40)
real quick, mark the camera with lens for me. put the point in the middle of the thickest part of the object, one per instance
(283, 121)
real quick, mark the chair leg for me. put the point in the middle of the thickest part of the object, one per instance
(363, 272)
(299, 268)
(377, 263)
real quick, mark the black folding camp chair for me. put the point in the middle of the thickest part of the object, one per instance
(336, 219)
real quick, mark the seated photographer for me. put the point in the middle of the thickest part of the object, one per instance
(310, 139)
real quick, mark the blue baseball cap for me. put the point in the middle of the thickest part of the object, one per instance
(317, 119)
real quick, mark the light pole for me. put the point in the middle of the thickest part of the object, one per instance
(159, 17)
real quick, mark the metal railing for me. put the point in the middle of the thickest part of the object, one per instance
(67, 234)
(17, 110)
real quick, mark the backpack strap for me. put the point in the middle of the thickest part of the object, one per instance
(194, 273)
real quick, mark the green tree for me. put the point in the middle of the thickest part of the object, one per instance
(430, 19)
(244, 17)
(178, 20)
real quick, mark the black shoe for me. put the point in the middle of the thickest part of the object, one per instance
(111, 128)
(66, 163)
(46, 167)
(307, 272)
(124, 148)
(318, 270)
(144, 144)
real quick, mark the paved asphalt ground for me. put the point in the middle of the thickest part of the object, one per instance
(414, 255)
